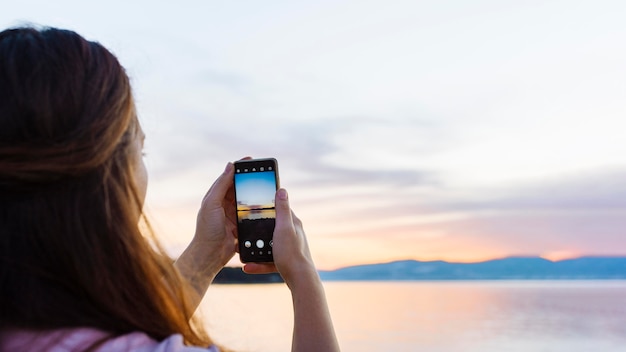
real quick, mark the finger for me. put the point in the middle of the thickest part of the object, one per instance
(229, 196)
(259, 268)
(229, 204)
(284, 218)
(221, 186)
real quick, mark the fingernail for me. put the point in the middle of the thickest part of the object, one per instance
(229, 167)
(282, 194)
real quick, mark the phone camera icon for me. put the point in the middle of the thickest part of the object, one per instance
(247, 244)
(262, 168)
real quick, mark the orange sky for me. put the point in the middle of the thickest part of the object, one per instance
(413, 131)
(332, 249)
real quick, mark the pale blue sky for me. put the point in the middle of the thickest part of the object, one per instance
(255, 188)
(457, 129)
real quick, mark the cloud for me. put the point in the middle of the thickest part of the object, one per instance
(440, 130)
(578, 214)
(594, 190)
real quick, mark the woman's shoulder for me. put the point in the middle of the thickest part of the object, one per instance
(83, 338)
(140, 342)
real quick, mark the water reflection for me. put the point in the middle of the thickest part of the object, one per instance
(435, 316)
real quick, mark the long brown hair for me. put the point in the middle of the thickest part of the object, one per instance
(71, 251)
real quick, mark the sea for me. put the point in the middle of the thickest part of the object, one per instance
(441, 316)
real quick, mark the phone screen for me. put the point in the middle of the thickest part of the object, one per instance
(256, 182)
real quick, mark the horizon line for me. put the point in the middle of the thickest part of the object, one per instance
(478, 261)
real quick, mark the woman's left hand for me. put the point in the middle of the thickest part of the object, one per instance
(216, 223)
(214, 242)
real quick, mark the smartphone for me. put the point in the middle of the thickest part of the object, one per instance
(256, 182)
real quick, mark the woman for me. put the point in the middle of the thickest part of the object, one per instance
(76, 273)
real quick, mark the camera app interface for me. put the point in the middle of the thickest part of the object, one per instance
(255, 188)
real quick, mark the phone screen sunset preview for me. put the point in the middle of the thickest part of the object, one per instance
(255, 189)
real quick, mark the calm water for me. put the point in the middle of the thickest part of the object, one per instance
(432, 316)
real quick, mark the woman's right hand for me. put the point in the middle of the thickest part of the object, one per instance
(292, 258)
(313, 326)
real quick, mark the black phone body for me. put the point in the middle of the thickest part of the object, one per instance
(256, 182)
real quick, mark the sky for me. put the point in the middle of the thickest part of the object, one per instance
(429, 130)
(255, 188)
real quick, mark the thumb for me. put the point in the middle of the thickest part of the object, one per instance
(220, 187)
(283, 211)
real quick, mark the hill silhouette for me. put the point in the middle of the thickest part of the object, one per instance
(512, 268)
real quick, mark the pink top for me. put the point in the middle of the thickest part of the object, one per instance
(82, 338)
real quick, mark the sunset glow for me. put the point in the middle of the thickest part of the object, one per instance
(431, 130)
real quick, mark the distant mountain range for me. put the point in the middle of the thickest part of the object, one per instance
(512, 268)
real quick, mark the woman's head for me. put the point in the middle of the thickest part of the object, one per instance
(72, 185)
(65, 107)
